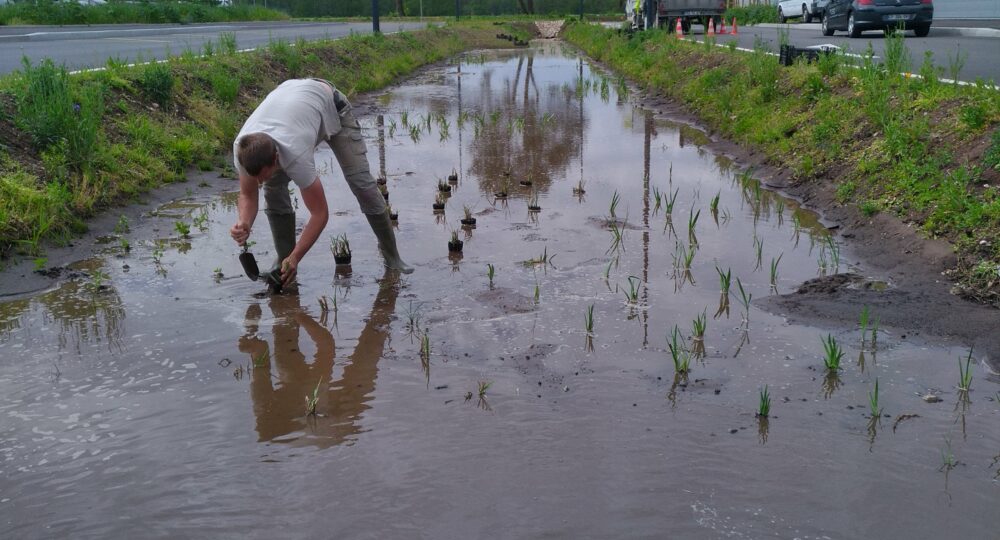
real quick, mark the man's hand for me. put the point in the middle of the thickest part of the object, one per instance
(289, 267)
(240, 233)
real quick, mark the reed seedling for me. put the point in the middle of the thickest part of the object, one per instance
(122, 226)
(873, 403)
(425, 346)
(340, 246)
(613, 207)
(745, 299)
(182, 228)
(533, 205)
(415, 133)
(483, 387)
(692, 223)
(714, 207)
(669, 202)
(657, 199)
(698, 335)
(414, 314)
(758, 249)
(490, 273)
(724, 282)
(588, 320)
(617, 237)
(124, 245)
(579, 189)
(834, 250)
(404, 118)
(965, 374)
(764, 403)
(607, 269)
(538, 292)
(678, 353)
(863, 321)
(632, 292)
(467, 212)
(832, 353)
(774, 271)
(875, 324)
(312, 401)
(948, 461)
(543, 259)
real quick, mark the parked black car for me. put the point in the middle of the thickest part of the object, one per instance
(857, 16)
(818, 8)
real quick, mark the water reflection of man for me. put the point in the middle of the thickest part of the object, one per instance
(280, 387)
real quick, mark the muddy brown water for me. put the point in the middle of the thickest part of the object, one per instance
(149, 397)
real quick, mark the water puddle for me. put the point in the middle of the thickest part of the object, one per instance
(160, 380)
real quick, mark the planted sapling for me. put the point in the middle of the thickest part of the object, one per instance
(468, 220)
(745, 299)
(965, 375)
(588, 320)
(657, 199)
(613, 207)
(341, 249)
(668, 206)
(714, 207)
(182, 228)
(454, 244)
(724, 282)
(533, 202)
(490, 273)
(692, 223)
(632, 292)
(312, 401)
(698, 335)
(578, 189)
(774, 272)
(873, 403)
(863, 321)
(503, 190)
(443, 187)
(439, 201)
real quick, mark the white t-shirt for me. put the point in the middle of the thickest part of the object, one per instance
(299, 114)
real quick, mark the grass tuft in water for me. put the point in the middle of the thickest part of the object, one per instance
(965, 374)
(832, 353)
(491, 271)
(632, 292)
(774, 272)
(613, 207)
(678, 353)
(744, 299)
(588, 320)
(312, 401)
(873, 402)
(764, 403)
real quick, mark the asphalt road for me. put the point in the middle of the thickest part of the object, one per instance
(91, 46)
(982, 53)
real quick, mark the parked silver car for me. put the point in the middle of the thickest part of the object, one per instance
(791, 9)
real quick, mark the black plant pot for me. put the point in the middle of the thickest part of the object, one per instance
(500, 194)
(525, 183)
(534, 208)
(444, 189)
(438, 207)
(453, 178)
(468, 222)
(380, 180)
(342, 259)
(455, 246)
(394, 216)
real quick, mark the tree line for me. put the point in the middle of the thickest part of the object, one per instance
(363, 8)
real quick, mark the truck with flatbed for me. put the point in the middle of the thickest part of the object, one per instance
(666, 13)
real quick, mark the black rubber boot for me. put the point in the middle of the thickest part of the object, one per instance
(382, 227)
(283, 232)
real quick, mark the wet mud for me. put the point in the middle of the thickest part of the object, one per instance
(157, 392)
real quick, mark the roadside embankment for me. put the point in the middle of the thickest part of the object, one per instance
(879, 149)
(15, 13)
(72, 145)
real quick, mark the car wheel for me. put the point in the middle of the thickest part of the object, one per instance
(781, 16)
(806, 16)
(922, 30)
(827, 31)
(852, 29)
(686, 26)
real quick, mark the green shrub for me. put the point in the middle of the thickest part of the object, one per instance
(225, 87)
(753, 14)
(973, 116)
(157, 82)
(992, 156)
(48, 112)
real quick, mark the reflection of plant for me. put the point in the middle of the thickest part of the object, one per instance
(615, 199)
(97, 279)
(483, 387)
(425, 347)
(124, 244)
(774, 271)
(413, 316)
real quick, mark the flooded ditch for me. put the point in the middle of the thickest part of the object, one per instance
(161, 393)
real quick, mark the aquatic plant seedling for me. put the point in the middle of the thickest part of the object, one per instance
(543, 259)
(340, 247)
(439, 201)
(834, 250)
(764, 403)
(607, 269)
(483, 387)
(965, 374)
(698, 327)
(948, 461)
(832, 353)
(538, 292)
(454, 244)
(124, 244)
(588, 319)
(533, 202)
(679, 355)
(40, 263)
(182, 228)
(745, 299)
(725, 279)
(657, 199)
(404, 117)
(97, 279)
(632, 292)
(668, 206)
(504, 189)
(875, 324)
(873, 403)
(714, 205)
(758, 248)
(578, 189)
(613, 207)
(453, 177)
(312, 401)
(774, 271)
(201, 221)
(863, 321)
(415, 133)
(692, 223)
(425, 346)
(468, 219)
(443, 186)
(490, 272)
(617, 237)
(260, 360)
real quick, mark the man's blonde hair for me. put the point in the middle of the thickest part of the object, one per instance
(256, 151)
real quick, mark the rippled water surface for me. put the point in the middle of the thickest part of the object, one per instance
(164, 395)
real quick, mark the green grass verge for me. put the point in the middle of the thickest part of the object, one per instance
(926, 151)
(48, 12)
(73, 145)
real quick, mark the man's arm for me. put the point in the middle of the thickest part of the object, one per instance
(246, 208)
(315, 201)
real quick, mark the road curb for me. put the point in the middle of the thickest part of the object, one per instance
(935, 30)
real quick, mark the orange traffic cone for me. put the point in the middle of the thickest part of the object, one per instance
(710, 26)
(722, 30)
(734, 26)
(680, 31)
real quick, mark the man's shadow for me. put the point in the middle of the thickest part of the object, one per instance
(283, 381)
